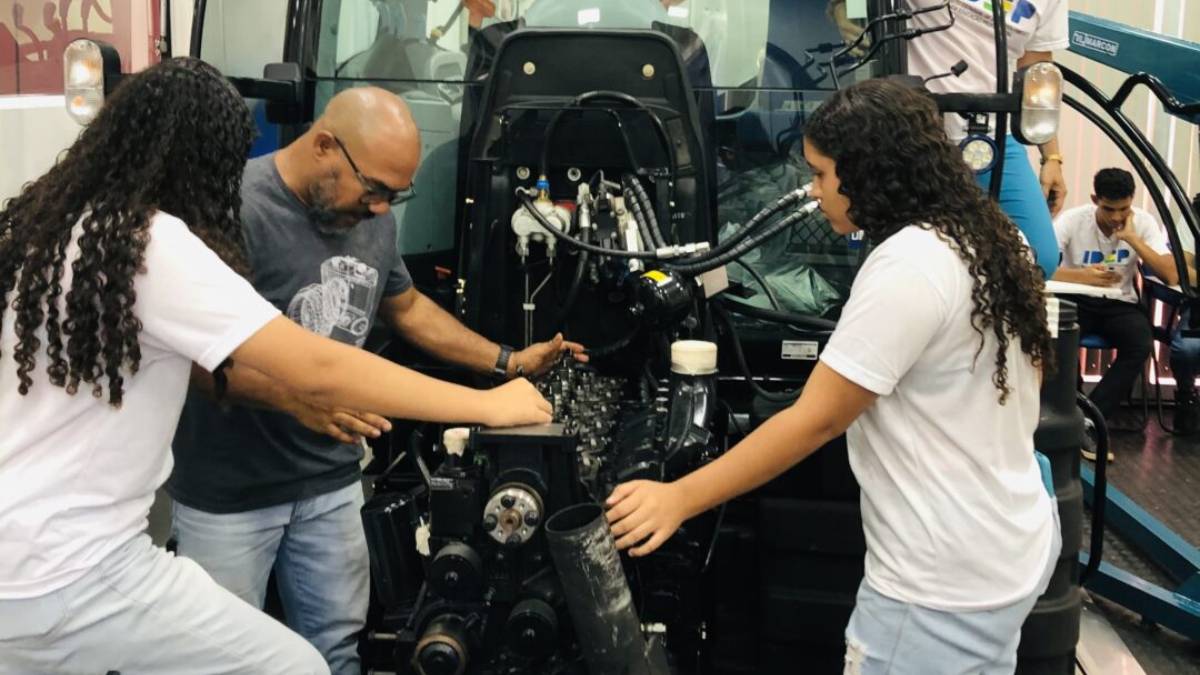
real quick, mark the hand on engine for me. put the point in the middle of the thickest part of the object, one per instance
(346, 426)
(644, 510)
(537, 359)
(515, 403)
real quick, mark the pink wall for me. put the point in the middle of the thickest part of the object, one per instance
(33, 34)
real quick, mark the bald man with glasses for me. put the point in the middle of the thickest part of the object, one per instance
(273, 481)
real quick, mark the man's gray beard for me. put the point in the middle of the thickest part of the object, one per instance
(326, 223)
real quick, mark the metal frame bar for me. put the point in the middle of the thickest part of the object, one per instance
(1148, 151)
(1177, 609)
(1163, 546)
(1131, 50)
(1171, 609)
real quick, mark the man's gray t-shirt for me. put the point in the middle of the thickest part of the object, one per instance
(241, 458)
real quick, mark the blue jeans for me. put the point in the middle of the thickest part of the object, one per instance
(1021, 198)
(890, 637)
(318, 551)
(1185, 351)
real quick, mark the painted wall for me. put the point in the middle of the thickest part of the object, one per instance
(1085, 148)
(34, 126)
(34, 130)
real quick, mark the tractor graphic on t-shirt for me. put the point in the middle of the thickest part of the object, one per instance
(340, 306)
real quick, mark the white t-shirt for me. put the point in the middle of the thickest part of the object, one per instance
(1082, 244)
(77, 476)
(1033, 26)
(954, 509)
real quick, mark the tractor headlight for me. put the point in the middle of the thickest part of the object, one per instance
(90, 70)
(1041, 88)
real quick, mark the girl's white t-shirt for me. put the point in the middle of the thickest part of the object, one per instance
(77, 477)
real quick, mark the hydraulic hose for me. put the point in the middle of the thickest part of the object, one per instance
(659, 127)
(711, 262)
(639, 216)
(612, 348)
(643, 200)
(762, 283)
(774, 397)
(789, 318)
(767, 212)
(527, 202)
(581, 264)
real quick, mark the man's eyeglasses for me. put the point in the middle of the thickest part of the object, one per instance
(376, 190)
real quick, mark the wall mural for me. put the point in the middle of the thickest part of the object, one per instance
(34, 33)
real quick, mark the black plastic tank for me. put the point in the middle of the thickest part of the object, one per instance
(1051, 631)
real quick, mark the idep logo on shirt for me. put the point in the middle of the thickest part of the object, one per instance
(1096, 257)
(1024, 9)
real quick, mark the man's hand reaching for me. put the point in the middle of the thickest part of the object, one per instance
(541, 357)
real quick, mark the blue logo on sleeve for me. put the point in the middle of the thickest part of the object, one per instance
(1024, 10)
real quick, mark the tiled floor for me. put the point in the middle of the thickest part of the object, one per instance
(1161, 473)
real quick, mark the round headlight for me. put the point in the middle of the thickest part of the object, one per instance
(979, 152)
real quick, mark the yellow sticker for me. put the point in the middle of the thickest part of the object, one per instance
(657, 277)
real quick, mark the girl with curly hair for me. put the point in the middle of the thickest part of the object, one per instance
(117, 273)
(933, 375)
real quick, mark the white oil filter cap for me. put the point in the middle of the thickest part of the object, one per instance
(693, 357)
(454, 440)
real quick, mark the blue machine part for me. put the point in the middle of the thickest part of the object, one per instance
(1132, 50)
(1179, 609)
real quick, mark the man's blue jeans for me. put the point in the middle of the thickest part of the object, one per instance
(318, 551)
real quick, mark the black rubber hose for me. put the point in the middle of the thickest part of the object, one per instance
(607, 627)
(762, 282)
(774, 397)
(527, 202)
(764, 214)
(639, 216)
(1100, 493)
(576, 281)
(612, 348)
(647, 206)
(790, 318)
(659, 127)
(706, 263)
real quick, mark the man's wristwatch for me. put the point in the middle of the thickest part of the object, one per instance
(501, 368)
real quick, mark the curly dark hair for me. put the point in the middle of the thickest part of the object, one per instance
(172, 138)
(897, 168)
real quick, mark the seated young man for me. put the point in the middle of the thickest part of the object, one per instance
(1101, 245)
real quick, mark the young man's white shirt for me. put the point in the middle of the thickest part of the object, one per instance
(954, 510)
(1082, 244)
(77, 477)
(1033, 26)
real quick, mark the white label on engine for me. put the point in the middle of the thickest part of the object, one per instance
(799, 350)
